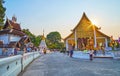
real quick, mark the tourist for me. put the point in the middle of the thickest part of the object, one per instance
(91, 54)
(15, 51)
(29, 49)
(44, 51)
(95, 52)
(71, 53)
(4, 51)
(24, 49)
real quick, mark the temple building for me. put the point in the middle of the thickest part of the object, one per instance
(11, 36)
(86, 35)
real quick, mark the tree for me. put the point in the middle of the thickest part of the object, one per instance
(34, 39)
(38, 40)
(1, 27)
(2, 13)
(54, 37)
(53, 40)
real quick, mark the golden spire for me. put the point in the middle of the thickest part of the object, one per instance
(43, 38)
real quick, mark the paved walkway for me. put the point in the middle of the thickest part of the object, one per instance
(58, 64)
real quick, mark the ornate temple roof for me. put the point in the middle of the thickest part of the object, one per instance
(12, 27)
(12, 31)
(9, 24)
(85, 18)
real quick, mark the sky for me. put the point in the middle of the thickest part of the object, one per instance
(64, 15)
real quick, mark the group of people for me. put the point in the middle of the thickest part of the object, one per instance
(91, 52)
(16, 51)
(7, 52)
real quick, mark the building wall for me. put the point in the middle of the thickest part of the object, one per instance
(14, 38)
(7, 38)
(4, 38)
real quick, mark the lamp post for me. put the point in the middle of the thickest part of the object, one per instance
(95, 42)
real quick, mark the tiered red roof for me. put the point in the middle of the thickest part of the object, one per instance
(12, 24)
(11, 27)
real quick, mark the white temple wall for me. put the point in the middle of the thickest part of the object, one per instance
(7, 38)
(4, 38)
(14, 38)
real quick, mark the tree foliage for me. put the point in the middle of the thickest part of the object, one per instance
(54, 37)
(54, 40)
(34, 39)
(2, 13)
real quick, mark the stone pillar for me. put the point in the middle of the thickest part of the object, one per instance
(66, 45)
(75, 40)
(95, 42)
(106, 43)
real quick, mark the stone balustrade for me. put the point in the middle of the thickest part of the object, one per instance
(12, 66)
(27, 58)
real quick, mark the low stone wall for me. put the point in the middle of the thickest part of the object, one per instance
(116, 55)
(27, 58)
(85, 55)
(80, 54)
(36, 54)
(12, 66)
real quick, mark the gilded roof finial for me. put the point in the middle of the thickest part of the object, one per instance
(14, 19)
(43, 38)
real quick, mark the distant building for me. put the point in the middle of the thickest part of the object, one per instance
(11, 35)
(86, 36)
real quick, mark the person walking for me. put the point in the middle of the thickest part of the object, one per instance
(71, 53)
(15, 51)
(44, 51)
(91, 55)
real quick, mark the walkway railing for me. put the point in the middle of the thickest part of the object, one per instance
(12, 66)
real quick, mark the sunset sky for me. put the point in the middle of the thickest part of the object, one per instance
(63, 15)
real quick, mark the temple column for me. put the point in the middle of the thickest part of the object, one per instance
(75, 40)
(66, 45)
(95, 42)
(106, 42)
